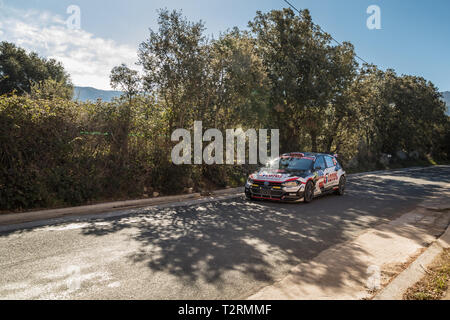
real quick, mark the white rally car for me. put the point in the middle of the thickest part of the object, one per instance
(296, 176)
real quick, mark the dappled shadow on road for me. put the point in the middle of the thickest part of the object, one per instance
(262, 239)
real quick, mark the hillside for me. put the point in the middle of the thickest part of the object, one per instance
(92, 94)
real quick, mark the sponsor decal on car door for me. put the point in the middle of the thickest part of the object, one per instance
(331, 175)
(320, 174)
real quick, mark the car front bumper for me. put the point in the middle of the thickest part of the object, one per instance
(259, 192)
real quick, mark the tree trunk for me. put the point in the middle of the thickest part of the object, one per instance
(313, 141)
(332, 135)
(125, 133)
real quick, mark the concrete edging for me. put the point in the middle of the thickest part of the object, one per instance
(32, 216)
(415, 272)
(14, 218)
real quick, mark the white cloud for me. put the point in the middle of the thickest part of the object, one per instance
(87, 58)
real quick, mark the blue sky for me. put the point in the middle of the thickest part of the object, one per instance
(414, 38)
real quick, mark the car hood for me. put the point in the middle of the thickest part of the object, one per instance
(277, 175)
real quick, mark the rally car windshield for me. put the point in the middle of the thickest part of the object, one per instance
(291, 164)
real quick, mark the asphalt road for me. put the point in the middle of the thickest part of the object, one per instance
(226, 249)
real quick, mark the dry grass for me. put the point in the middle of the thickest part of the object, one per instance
(434, 285)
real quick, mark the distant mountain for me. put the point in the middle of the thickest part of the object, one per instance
(446, 95)
(91, 94)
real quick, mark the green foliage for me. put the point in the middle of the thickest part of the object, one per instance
(36, 140)
(399, 113)
(20, 71)
(50, 89)
(126, 80)
(308, 77)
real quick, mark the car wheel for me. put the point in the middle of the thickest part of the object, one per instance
(341, 190)
(309, 192)
(248, 196)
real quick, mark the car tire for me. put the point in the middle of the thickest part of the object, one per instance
(309, 192)
(341, 189)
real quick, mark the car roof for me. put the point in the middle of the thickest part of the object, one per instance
(308, 154)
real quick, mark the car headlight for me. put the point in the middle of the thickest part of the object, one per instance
(290, 184)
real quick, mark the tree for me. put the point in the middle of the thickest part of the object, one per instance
(126, 80)
(397, 113)
(20, 71)
(129, 82)
(307, 75)
(237, 84)
(174, 60)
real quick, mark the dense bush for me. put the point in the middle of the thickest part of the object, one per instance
(36, 138)
(59, 152)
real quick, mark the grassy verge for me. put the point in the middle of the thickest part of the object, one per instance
(434, 285)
